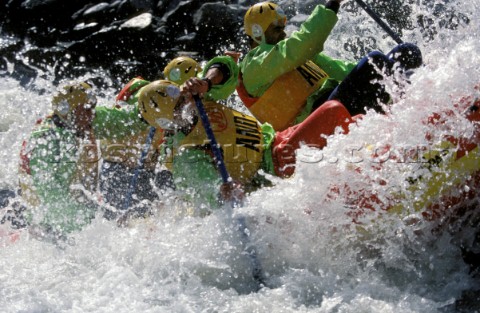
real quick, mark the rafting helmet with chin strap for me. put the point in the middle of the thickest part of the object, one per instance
(181, 69)
(157, 101)
(70, 97)
(260, 16)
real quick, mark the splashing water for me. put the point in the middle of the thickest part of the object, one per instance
(313, 257)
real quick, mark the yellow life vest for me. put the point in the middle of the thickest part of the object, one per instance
(239, 136)
(287, 96)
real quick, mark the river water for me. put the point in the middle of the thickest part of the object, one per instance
(312, 258)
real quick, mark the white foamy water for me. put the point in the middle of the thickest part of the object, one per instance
(313, 258)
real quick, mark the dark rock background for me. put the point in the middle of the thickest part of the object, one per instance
(123, 37)
(127, 38)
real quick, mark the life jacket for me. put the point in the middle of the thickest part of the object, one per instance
(239, 136)
(130, 89)
(285, 99)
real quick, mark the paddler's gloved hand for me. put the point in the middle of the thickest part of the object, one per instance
(196, 86)
(217, 74)
(232, 192)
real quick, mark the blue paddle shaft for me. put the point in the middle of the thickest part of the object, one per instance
(217, 153)
(256, 266)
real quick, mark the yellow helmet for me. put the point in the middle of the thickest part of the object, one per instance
(181, 69)
(70, 97)
(157, 101)
(260, 16)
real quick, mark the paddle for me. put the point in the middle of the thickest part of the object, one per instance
(218, 157)
(379, 21)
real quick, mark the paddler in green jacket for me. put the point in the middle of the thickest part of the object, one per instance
(282, 80)
(58, 168)
(120, 167)
(120, 155)
(59, 161)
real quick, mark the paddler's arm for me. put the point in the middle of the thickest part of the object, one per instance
(217, 81)
(335, 68)
(114, 123)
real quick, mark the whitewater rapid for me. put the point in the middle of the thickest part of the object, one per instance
(313, 260)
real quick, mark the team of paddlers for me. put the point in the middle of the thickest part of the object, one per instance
(152, 141)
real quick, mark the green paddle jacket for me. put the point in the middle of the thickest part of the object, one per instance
(262, 65)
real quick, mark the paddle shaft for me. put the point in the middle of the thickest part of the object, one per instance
(250, 249)
(379, 21)
(217, 153)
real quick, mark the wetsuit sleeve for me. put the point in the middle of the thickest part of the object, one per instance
(336, 69)
(230, 72)
(113, 123)
(265, 63)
